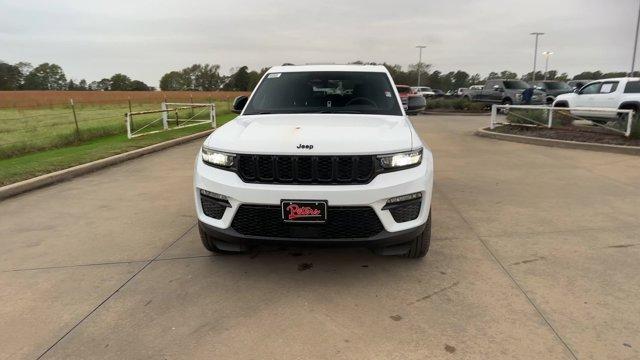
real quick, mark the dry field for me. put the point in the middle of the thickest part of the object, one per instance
(31, 99)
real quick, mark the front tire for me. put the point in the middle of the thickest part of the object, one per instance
(420, 246)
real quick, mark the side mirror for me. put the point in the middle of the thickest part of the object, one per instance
(239, 104)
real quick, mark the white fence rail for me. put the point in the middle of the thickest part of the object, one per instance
(549, 111)
(167, 108)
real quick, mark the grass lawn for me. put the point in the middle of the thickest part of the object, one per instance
(24, 167)
(24, 131)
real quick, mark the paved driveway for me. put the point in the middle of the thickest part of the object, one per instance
(536, 254)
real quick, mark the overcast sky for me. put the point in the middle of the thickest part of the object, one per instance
(144, 39)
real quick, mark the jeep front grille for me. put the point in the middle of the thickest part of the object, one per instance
(286, 169)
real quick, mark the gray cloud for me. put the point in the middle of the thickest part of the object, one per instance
(145, 39)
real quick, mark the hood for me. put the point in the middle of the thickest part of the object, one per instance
(327, 133)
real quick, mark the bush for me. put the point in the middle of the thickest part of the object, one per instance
(528, 116)
(635, 127)
(562, 118)
(455, 104)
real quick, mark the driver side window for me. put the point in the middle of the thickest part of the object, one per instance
(591, 89)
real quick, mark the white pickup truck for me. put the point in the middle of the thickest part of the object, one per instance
(321, 154)
(617, 93)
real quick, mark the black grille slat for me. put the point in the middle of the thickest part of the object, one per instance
(344, 168)
(325, 173)
(364, 168)
(342, 222)
(266, 168)
(284, 168)
(246, 167)
(306, 169)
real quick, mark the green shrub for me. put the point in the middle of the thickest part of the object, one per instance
(455, 105)
(528, 116)
(635, 127)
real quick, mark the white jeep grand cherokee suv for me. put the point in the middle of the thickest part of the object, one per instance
(320, 154)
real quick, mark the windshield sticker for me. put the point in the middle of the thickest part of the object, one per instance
(274, 75)
(606, 88)
(387, 93)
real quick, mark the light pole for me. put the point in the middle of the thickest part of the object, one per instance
(420, 47)
(546, 62)
(635, 45)
(535, 55)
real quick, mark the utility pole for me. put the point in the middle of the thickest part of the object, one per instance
(535, 55)
(420, 47)
(635, 45)
(546, 54)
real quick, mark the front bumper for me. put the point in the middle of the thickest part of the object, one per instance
(387, 242)
(374, 195)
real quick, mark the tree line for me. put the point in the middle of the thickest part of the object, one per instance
(207, 77)
(460, 79)
(47, 76)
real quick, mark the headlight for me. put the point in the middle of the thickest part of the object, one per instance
(217, 158)
(400, 160)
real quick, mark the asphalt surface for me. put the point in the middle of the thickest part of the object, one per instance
(535, 255)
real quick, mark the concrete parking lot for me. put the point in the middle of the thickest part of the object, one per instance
(535, 255)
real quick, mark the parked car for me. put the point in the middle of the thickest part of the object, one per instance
(461, 91)
(503, 91)
(423, 90)
(578, 84)
(617, 93)
(438, 93)
(412, 101)
(552, 88)
(302, 165)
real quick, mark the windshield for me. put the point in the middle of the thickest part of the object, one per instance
(324, 92)
(516, 85)
(557, 86)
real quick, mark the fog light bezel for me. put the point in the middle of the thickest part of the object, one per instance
(398, 205)
(222, 199)
(402, 198)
